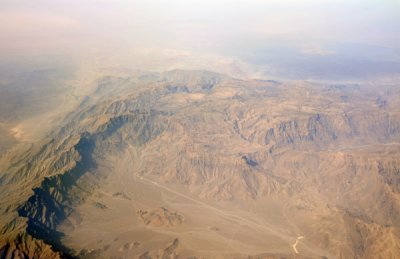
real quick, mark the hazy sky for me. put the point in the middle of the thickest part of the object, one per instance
(263, 36)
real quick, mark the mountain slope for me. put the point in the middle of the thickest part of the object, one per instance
(308, 168)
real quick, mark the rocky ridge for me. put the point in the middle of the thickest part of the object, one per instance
(226, 139)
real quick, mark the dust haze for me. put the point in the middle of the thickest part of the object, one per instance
(200, 129)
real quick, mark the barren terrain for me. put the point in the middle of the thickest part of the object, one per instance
(196, 164)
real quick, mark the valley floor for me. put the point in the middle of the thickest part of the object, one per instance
(108, 222)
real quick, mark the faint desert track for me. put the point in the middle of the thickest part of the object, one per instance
(363, 146)
(240, 220)
(296, 243)
(233, 217)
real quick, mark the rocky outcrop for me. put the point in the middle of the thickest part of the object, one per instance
(25, 246)
(236, 140)
(167, 253)
(160, 217)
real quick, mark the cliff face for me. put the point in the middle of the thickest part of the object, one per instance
(333, 152)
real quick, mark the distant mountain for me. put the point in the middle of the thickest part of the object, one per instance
(195, 164)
